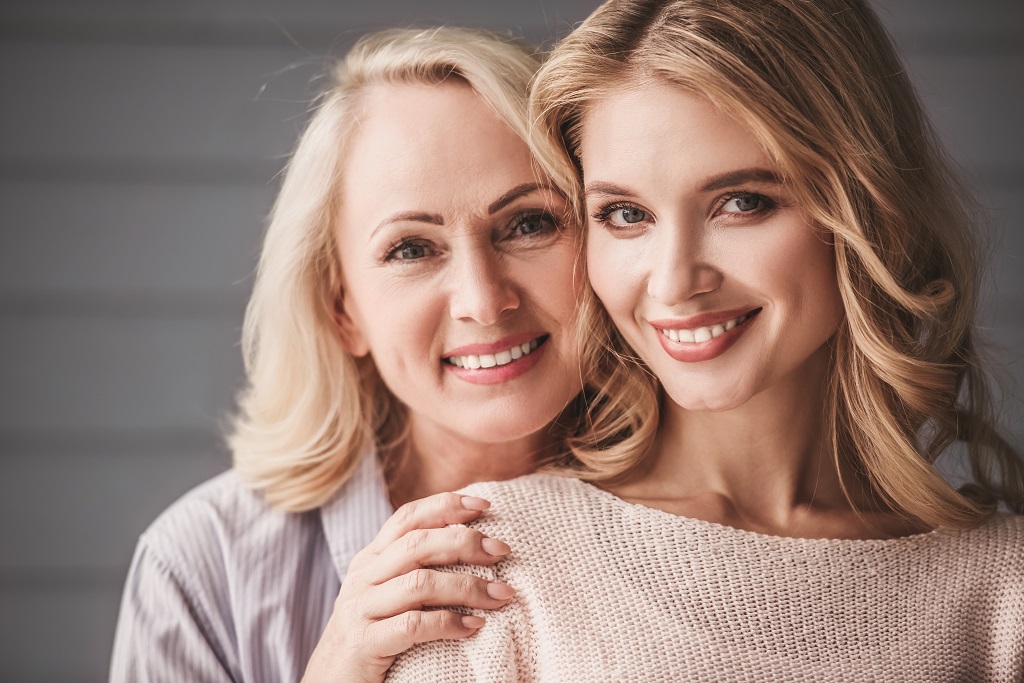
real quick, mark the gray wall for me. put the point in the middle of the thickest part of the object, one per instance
(139, 143)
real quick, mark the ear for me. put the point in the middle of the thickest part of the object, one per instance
(351, 336)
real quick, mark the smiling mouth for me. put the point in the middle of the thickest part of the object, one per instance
(699, 335)
(496, 360)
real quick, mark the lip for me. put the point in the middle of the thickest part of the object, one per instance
(493, 347)
(500, 373)
(689, 352)
(702, 319)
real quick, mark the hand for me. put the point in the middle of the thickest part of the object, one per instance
(379, 610)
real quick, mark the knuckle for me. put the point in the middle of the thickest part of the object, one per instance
(419, 581)
(413, 541)
(467, 537)
(409, 623)
(449, 501)
(471, 584)
(405, 514)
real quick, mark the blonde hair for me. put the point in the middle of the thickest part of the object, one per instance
(310, 409)
(820, 85)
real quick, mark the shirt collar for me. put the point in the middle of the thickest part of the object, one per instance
(355, 514)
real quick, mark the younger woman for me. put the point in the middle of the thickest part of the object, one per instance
(775, 236)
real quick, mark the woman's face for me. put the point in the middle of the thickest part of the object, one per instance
(458, 264)
(706, 265)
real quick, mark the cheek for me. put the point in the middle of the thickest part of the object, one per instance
(614, 271)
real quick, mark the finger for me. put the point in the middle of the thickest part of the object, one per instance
(432, 512)
(431, 588)
(397, 634)
(427, 547)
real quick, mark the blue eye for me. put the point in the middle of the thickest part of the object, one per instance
(407, 251)
(413, 251)
(534, 223)
(621, 216)
(745, 203)
(630, 215)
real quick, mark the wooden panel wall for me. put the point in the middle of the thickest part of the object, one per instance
(139, 144)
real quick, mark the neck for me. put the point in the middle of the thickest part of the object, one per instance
(433, 459)
(764, 465)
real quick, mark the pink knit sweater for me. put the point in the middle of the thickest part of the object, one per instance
(611, 591)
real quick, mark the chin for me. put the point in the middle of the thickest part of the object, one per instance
(711, 401)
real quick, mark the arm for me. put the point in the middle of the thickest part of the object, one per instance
(380, 610)
(165, 631)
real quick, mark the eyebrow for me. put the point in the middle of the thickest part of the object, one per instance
(607, 189)
(514, 194)
(719, 182)
(415, 216)
(745, 175)
(436, 219)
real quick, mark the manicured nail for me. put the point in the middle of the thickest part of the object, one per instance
(500, 591)
(474, 503)
(472, 621)
(495, 547)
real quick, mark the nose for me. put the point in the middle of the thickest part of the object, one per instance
(482, 289)
(680, 265)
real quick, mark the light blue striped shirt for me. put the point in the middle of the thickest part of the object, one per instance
(225, 588)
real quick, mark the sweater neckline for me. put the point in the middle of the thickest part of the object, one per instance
(665, 518)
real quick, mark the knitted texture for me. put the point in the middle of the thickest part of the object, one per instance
(612, 591)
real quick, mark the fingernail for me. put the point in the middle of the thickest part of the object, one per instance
(500, 591)
(474, 503)
(495, 547)
(472, 621)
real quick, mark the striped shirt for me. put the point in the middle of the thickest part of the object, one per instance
(223, 587)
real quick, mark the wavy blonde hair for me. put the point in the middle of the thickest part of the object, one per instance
(310, 409)
(820, 85)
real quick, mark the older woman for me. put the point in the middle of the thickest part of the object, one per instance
(774, 235)
(409, 333)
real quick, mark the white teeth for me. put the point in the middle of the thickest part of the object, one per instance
(494, 360)
(703, 334)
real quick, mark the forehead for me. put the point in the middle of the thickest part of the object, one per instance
(661, 131)
(430, 145)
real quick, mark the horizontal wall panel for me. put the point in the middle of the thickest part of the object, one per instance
(907, 19)
(974, 107)
(151, 105)
(1005, 285)
(316, 17)
(57, 635)
(206, 109)
(917, 24)
(62, 374)
(66, 517)
(101, 236)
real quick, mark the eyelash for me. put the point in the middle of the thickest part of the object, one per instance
(392, 250)
(518, 220)
(767, 206)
